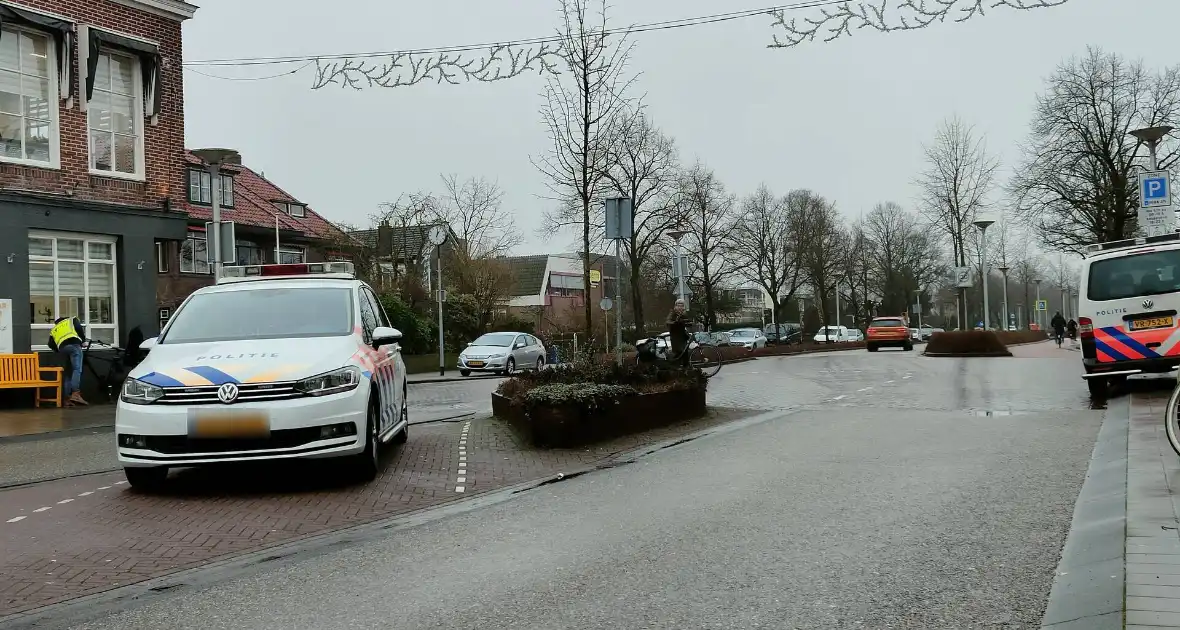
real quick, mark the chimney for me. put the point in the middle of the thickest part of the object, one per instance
(384, 240)
(235, 158)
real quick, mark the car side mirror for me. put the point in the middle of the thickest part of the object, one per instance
(384, 335)
(148, 343)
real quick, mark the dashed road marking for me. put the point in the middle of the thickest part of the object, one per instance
(458, 488)
(104, 487)
(864, 389)
(840, 397)
(888, 382)
(16, 519)
(64, 501)
(42, 509)
(86, 494)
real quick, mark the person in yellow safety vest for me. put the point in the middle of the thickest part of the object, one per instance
(66, 337)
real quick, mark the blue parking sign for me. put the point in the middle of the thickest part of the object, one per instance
(1154, 190)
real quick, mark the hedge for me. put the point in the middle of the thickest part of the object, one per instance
(967, 343)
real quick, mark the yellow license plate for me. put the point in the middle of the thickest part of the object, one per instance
(238, 424)
(1152, 322)
(475, 363)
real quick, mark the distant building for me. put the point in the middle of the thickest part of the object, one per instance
(549, 289)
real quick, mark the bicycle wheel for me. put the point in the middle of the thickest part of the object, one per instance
(1172, 419)
(707, 359)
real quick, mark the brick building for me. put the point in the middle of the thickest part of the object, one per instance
(92, 161)
(549, 290)
(263, 214)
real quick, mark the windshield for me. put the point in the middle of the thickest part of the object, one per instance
(495, 339)
(742, 333)
(830, 329)
(1130, 276)
(886, 323)
(279, 313)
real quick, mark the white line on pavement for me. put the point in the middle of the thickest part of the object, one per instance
(63, 501)
(840, 397)
(888, 382)
(104, 487)
(864, 389)
(42, 509)
(85, 494)
(458, 488)
(16, 519)
(119, 483)
(461, 480)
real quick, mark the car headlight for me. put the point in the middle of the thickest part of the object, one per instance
(138, 392)
(332, 382)
(498, 356)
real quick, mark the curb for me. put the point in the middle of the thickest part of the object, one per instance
(966, 355)
(1088, 586)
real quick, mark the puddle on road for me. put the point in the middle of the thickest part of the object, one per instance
(988, 413)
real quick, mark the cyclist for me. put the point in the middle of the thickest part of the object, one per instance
(66, 337)
(1058, 324)
(1071, 329)
(678, 323)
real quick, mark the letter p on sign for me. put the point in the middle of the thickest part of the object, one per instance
(1153, 190)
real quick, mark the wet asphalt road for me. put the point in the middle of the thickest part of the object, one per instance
(890, 490)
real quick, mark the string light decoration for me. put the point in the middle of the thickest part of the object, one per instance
(909, 15)
(402, 69)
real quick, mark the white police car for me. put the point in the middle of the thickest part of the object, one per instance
(273, 362)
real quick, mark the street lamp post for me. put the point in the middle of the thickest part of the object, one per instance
(983, 224)
(678, 264)
(1152, 136)
(1040, 323)
(213, 159)
(1004, 270)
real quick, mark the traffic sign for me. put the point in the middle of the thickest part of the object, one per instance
(963, 277)
(1155, 189)
(606, 304)
(1042, 305)
(1156, 215)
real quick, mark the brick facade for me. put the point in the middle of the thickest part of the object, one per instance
(163, 143)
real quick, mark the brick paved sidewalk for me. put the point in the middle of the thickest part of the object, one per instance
(73, 537)
(1153, 503)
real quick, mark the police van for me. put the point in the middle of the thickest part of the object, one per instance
(1127, 306)
(274, 362)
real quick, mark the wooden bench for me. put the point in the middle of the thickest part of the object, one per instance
(24, 371)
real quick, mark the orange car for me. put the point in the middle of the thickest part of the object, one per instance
(888, 331)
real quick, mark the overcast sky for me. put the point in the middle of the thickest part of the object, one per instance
(846, 118)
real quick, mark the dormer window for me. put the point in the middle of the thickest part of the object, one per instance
(293, 208)
(199, 190)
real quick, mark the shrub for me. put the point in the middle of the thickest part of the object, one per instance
(1012, 337)
(967, 342)
(642, 378)
(589, 396)
(418, 332)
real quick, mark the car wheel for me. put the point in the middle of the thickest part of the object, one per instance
(908, 347)
(465, 372)
(147, 479)
(404, 435)
(871, 347)
(540, 364)
(510, 366)
(366, 464)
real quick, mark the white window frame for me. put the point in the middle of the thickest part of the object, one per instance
(86, 262)
(137, 116)
(161, 257)
(54, 162)
(293, 249)
(291, 205)
(196, 236)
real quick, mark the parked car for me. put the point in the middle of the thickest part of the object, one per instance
(915, 334)
(502, 353)
(928, 331)
(832, 334)
(888, 331)
(854, 334)
(748, 338)
(719, 339)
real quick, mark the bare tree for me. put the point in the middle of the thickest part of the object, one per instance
(761, 247)
(954, 187)
(707, 211)
(906, 257)
(582, 110)
(644, 169)
(1027, 269)
(859, 273)
(824, 249)
(485, 232)
(1077, 184)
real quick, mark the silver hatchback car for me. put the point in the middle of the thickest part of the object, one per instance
(502, 353)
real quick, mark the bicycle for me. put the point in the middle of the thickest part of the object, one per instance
(705, 358)
(1059, 337)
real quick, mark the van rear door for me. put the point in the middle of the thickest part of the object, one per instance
(1133, 302)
